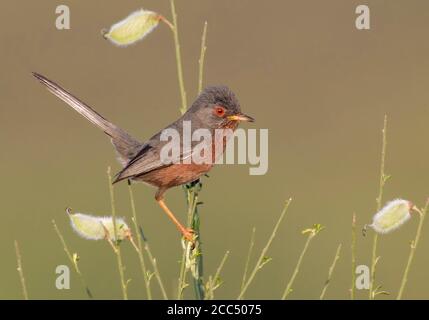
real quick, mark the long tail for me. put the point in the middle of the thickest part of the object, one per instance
(126, 146)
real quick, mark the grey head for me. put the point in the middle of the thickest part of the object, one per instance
(216, 107)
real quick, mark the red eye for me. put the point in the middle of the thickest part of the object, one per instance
(220, 111)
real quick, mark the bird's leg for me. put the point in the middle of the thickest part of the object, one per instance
(187, 233)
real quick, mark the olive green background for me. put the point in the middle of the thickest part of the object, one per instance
(301, 68)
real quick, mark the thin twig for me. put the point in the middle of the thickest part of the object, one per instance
(193, 218)
(192, 196)
(249, 254)
(202, 56)
(193, 221)
(214, 280)
(353, 287)
(197, 251)
(139, 247)
(264, 251)
(182, 276)
(288, 289)
(382, 182)
(167, 22)
(178, 59)
(155, 268)
(73, 260)
(20, 271)
(221, 264)
(331, 271)
(115, 246)
(413, 247)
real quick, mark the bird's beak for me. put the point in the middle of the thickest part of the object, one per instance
(241, 117)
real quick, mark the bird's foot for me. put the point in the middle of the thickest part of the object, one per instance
(189, 235)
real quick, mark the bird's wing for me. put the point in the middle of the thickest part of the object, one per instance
(148, 159)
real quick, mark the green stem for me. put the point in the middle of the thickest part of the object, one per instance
(413, 247)
(249, 254)
(155, 269)
(178, 59)
(197, 280)
(193, 222)
(139, 245)
(288, 289)
(264, 251)
(73, 260)
(115, 245)
(21, 271)
(374, 260)
(182, 271)
(201, 60)
(182, 276)
(353, 287)
(193, 217)
(192, 195)
(331, 271)
(382, 182)
(213, 283)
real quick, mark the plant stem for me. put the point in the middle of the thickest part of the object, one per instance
(193, 217)
(331, 270)
(249, 254)
(139, 247)
(182, 271)
(212, 283)
(182, 276)
(178, 59)
(264, 251)
(192, 196)
(353, 287)
(383, 179)
(288, 289)
(201, 60)
(193, 222)
(73, 259)
(115, 246)
(374, 260)
(221, 264)
(413, 247)
(197, 280)
(21, 271)
(155, 268)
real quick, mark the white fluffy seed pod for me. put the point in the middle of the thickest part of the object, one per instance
(133, 28)
(98, 228)
(393, 215)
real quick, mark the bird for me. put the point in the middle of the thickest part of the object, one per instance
(215, 108)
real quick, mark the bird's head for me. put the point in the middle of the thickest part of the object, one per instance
(218, 107)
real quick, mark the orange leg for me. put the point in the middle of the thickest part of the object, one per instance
(187, 233)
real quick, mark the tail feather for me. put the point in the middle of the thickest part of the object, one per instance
(126, 146)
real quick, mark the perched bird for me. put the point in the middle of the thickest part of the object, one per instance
(215, 108)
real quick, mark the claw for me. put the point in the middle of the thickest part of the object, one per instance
(189, 235)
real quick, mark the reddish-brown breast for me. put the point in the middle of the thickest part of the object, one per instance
(174, 175)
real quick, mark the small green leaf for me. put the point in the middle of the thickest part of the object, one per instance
(149, 275)
(264, 261)
(314, 230)
(386, 177)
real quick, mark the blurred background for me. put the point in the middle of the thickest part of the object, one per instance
(301, 68)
